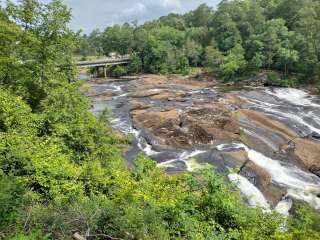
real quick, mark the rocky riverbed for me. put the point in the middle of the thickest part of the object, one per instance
(269, 136)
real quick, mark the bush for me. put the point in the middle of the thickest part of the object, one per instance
(273, 77)
(135, 65)
(11, 201)
(118, 71)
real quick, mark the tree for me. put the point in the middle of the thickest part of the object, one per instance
(200, 17)
(135, 65)
(225, 31)
(213, 59)
(193, 52)
(173, 20)
(287, 57)
(308, 26)
(234, 63)
(45, 44)
(118, 39)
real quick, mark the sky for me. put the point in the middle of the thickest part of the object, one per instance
(92, 14)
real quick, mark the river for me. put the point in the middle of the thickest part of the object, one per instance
(271, 135)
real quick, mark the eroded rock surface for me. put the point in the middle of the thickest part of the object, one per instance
(176, 118)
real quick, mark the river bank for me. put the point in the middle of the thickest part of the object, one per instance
(269, 135)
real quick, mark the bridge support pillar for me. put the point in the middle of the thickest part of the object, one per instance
(96, 72)
(105, 71)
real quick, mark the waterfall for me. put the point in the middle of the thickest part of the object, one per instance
(254, 196)
(300, 184)
(292, 95)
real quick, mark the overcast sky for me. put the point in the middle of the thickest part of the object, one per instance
(91, 14)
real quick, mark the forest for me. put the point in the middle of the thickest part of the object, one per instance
(233, 42)
(61, 169)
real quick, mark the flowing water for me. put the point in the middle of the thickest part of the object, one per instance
(293, 107)
(299, 184)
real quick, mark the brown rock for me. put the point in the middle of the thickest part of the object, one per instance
(234, 99)
(263, 177)
(150, 81)
(235, 159)
(240, 156)
(232, 125)
(146, 93)
(308, 152)
(104, 96)
(136, 105)
(163, 96)
(274, 193)
(266, 122)
(194, 126)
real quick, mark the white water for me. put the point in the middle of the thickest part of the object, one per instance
(120, 96)
(116, 88)
(300, 185)
(284, 206)
(300, 99)
(298, 117)
(254, 197)
(185, 157)
(295, 96)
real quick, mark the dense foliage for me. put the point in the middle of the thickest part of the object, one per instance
(61, 169)
(235, 41)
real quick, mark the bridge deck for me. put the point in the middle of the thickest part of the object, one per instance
(104, 62)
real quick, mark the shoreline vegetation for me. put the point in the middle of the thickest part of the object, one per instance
(61, 168)
(234, 42)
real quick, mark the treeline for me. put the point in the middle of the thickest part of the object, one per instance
(61, 169)
(235, 41)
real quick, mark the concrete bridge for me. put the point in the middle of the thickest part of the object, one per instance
(102, 64)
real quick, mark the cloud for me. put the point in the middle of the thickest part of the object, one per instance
(89, 15)
(172, 4)
(138, 9)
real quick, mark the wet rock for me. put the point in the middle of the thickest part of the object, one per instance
(176, 167)
(315, 135)
(215, 158)
(315, 170)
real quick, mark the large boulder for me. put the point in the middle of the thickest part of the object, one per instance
(195, 126)
(235, 159)
(308, 152)
(257, 175)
